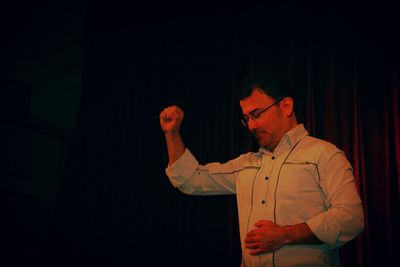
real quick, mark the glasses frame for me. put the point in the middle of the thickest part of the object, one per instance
(252, 116)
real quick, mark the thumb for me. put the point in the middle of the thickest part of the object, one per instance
(260, 223)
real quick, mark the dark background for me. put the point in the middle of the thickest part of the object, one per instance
(83, 158)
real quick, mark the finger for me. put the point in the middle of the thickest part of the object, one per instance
(177, 108)
(178, 112)
(256, 251)
(168, 114)
(171, 110)
(261, 223)
(253, 232)
(164, 113)
(252, 246)
(251, 240)
(164, 117)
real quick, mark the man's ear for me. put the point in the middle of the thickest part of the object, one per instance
(287, 105)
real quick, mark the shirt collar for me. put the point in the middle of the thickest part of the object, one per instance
(288, 140)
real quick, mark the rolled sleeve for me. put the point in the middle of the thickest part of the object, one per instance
(344, 218)
(181, 169)
(192, 178)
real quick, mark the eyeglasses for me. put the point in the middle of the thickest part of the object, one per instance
(255, 114)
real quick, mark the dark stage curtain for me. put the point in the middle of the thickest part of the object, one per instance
(116, 206)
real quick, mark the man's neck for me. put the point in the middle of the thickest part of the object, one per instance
(288, 129)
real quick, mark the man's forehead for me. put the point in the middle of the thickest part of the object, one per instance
(257, 99)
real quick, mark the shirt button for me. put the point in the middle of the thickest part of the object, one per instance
(263, 202)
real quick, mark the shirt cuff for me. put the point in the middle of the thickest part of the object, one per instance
(182, 169)
(322, 231)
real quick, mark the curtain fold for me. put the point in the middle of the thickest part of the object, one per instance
(359, 173)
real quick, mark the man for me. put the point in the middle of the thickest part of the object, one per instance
(297, 198)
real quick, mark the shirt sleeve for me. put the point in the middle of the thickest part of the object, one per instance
(190, 177)
(344, 218)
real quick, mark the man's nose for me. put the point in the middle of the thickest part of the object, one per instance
(252, 124)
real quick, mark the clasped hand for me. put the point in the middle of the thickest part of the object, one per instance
(267, 237)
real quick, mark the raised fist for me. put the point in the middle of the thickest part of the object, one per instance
(171, 119)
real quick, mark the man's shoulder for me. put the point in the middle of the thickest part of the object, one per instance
(248, 159)
(320, 146)
(249, 155)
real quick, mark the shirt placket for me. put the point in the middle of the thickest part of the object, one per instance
(261, 204)
(261, 187)
(276, 181)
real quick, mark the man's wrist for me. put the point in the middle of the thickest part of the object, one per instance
(172, 133)
(299, 234)
(289, 235)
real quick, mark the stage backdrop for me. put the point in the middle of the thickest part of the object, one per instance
(116, 206)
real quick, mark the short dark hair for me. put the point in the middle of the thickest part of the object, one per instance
(268, 81)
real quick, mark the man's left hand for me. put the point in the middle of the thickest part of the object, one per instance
(267, 237)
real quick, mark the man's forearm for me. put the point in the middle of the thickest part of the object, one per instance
(175, 146)
(269, 236)
(300, 234)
